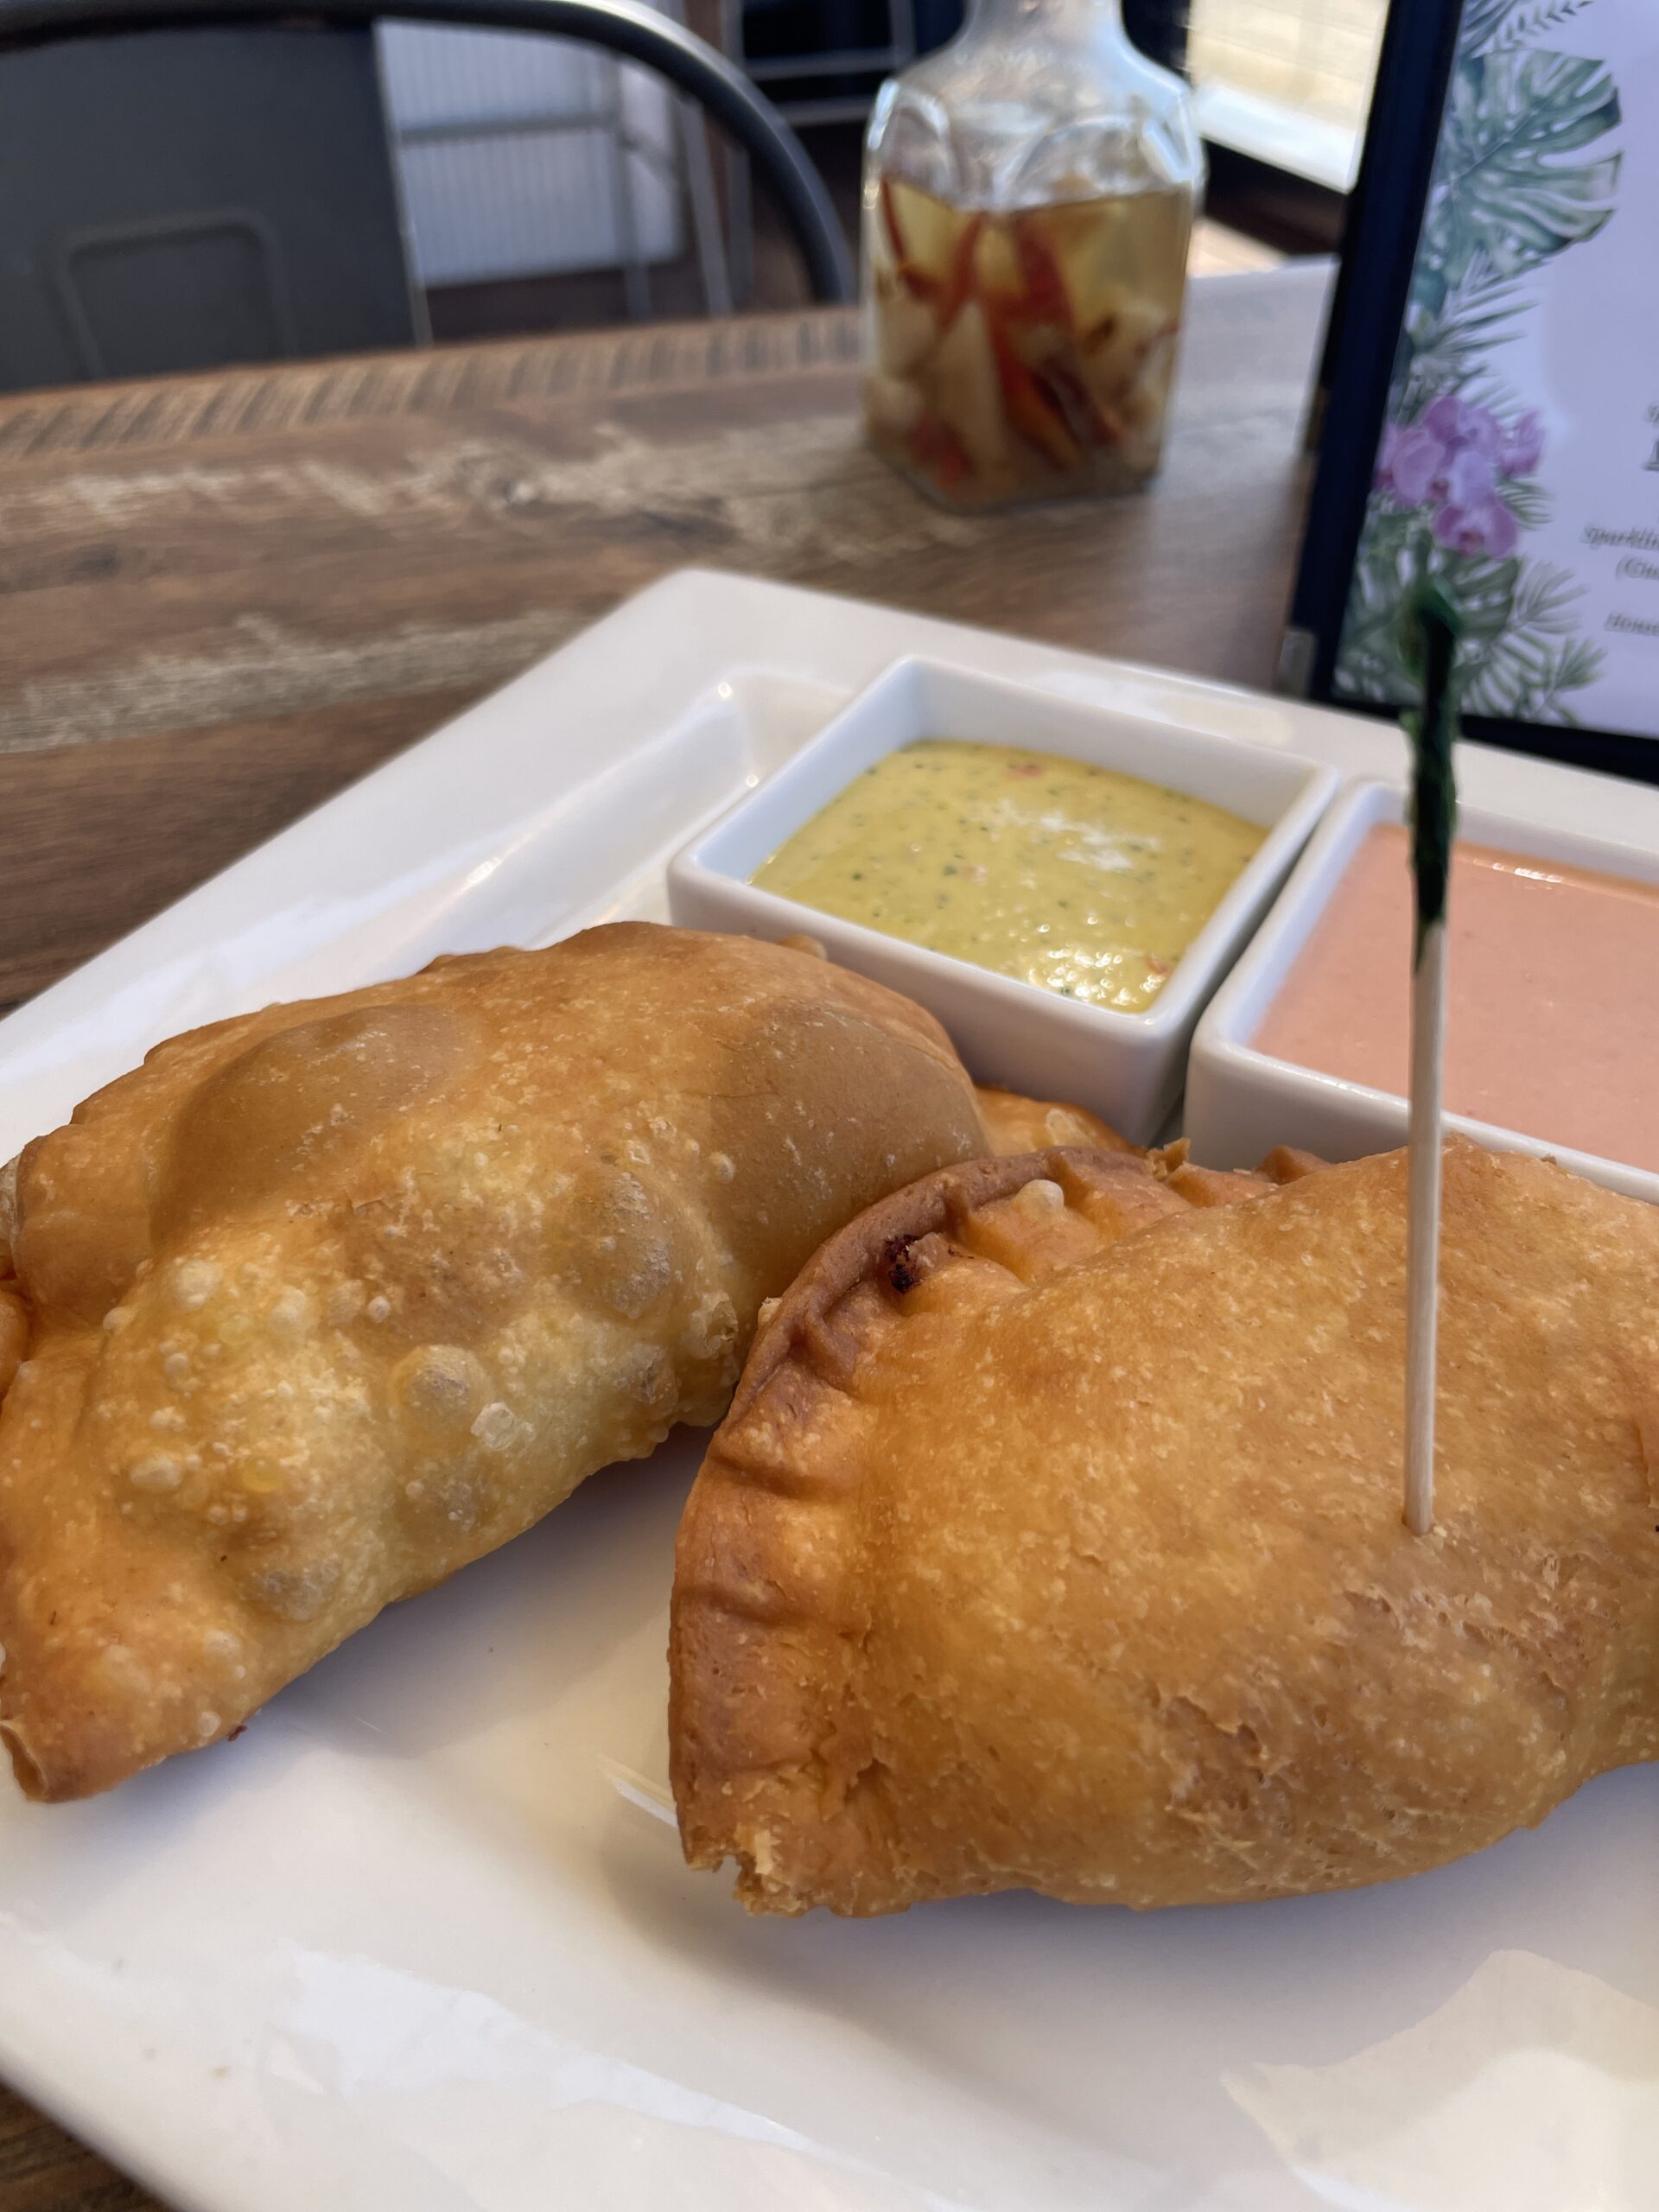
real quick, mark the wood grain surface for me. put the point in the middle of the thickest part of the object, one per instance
(222, 598)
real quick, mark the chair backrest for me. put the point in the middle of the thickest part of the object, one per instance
(104, 291)
(163, 209)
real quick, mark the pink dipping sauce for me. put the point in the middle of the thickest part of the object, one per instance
(1552, 1019)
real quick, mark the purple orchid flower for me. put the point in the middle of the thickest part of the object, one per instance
(1461, 425)
(1487, 527)
(1523, 444)
(1413, 461)
(1452, 459)
(1468, 478)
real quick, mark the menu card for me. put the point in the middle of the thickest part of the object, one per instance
(1518, 459)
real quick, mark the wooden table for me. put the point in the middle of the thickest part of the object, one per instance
(223, 597)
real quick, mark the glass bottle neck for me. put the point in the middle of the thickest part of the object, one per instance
(1048, 16)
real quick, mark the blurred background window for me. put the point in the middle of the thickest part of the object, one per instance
(528, 156)
(1287, 82)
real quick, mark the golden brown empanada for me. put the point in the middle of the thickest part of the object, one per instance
(326, 1300)
(1054, 1540)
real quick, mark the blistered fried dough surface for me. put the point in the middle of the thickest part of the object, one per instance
(1015, 1124)
(326, 1301)
(1042, 1549)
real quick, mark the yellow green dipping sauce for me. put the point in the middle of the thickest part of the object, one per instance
(1087, 882)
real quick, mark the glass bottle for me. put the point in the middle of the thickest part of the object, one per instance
(1029, 193)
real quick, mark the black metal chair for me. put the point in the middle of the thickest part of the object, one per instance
(258, 218)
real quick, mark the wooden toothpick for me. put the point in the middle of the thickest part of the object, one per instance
(1433, 630)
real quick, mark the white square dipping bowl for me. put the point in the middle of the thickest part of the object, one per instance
(1241, 1102)
(1127, 1067)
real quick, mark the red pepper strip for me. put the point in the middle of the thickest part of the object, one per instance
(1029, 407)
(959, 285)
(952, 464)
(938, 452)
(1095, 424)
(1046, 299)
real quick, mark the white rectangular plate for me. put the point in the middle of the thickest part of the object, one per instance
(422, 1939)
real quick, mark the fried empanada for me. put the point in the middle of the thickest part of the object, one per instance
(1054, 1540)
(325, 1302)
